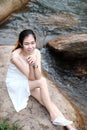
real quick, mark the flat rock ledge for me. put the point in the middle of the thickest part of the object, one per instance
(35, 116)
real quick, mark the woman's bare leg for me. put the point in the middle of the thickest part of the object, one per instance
(45, 97)
(36, 93)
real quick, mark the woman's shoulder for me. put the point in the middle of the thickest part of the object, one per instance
(15, 55)
(37, 51)
(16, 52)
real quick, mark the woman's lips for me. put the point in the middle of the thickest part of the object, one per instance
(30, 50)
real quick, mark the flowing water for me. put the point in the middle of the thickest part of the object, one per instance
(61, 71)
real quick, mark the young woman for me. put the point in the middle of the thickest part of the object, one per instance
(24, 78)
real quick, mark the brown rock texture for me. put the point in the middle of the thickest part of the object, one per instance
(71, 45)
(59, 20)
(35, 116)
(9, 6)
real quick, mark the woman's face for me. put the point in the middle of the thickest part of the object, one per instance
(29, 44)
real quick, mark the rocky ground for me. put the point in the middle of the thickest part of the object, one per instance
(35, 116)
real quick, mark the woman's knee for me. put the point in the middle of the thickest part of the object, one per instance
(42, 82)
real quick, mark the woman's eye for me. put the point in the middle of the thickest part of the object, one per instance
(33, 43)
(26, 43)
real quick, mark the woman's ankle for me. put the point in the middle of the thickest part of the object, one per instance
(53, 117)
(69, 127)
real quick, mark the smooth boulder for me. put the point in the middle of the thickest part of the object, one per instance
(70, 45)
(62, 21)
(9, 6)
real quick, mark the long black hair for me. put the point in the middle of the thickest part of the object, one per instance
(22, 36)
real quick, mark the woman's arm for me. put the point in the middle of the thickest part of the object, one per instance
(19, 64)
(31, 73)
(35, 66)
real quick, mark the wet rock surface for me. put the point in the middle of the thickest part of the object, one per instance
(35, 116)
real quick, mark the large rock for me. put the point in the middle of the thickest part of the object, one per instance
(58, 20)
(35, 116)
(73, 45)
(9, 6)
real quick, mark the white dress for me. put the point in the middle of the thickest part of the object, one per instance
(17, 86)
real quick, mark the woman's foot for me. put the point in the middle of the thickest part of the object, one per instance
(60, 120)
(73, 129)
(69, 127)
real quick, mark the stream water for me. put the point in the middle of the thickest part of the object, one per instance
(59, 70)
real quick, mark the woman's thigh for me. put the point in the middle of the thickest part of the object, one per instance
(34, 84)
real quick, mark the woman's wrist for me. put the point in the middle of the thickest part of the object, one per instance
(35, 66)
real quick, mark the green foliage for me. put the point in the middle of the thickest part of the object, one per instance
(4, 125)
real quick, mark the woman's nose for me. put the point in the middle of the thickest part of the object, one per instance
(30, 45)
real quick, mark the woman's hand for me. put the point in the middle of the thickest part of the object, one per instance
(31, 61)
(33, 68)
(34, 62)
